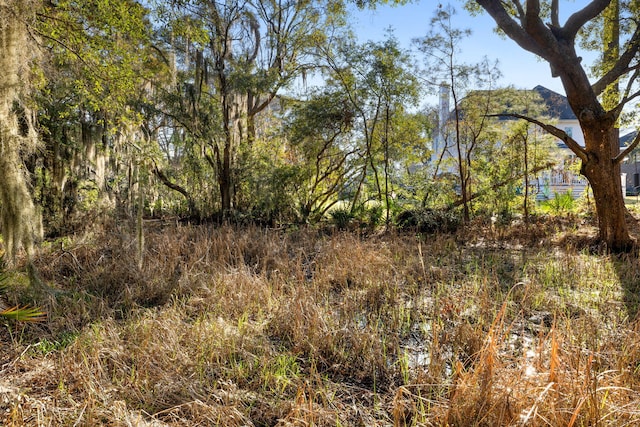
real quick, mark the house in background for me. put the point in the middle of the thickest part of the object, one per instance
(559, 180)
(631, 165)
(562, 177)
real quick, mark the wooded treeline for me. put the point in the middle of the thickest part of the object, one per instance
(268, 111)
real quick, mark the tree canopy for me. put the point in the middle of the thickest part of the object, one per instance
(274, 112)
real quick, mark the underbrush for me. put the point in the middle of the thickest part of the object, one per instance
(255, 327)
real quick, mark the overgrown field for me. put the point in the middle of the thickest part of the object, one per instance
(255, 327)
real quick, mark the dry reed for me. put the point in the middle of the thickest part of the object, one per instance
(254, 327)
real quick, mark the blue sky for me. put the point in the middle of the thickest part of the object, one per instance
(519, 67)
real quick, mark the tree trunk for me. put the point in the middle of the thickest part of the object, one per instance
(193, 209)
(604, 177)
(556, 44)
(20, 221)
(225, 180)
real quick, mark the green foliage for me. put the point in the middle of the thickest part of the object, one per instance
(319, 132)
(380, 86)
(437, 192)
(429, 221)
(87, 195)
(269, 188)
(97, 71)
(17, 313)
(46, 346)
(374, 215)
(561, 203)
(471, 88)
(98, 50)
(512, 153)
(231, 60)
(342, 218)
(191, 97)
(23, 314)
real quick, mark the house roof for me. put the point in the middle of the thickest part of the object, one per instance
(627, 139)
(557, 105)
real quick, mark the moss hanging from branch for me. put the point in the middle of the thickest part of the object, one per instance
(20, 222)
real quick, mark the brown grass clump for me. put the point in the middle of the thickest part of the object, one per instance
(255, 327)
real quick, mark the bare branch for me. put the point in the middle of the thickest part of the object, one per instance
(510, 26)
(627, 97)
(558, 133)
(555, 20)
(584, 15)
(520, 9)
(620, 157)
(500, 184)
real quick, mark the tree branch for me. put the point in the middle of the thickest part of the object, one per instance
(193, 210)
(497, 185)
(584, 15)
(621, 66)
(510, 26)
(627, 97)
(555, 20)
(620, 157)
(558, 133)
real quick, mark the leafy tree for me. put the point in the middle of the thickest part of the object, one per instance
(513, 152)
(536, 27)
(462, 132)
(237, 57)
(398, 89)
(379, 83)
(411, 155)
(96, 69)
(321, 150)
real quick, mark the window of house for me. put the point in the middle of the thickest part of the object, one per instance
(569, 131)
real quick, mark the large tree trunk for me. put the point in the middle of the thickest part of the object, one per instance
(604, 176)
(556, 44)
(20, 221)
(602, 145)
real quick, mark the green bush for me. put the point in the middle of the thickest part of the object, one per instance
(341, 218)
(561, 203)
(374, 215)
(428, 221)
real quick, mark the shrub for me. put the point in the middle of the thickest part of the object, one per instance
(374, 216)
(425, 220)
(341, 218)
(561, 203)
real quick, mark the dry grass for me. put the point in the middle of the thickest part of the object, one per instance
(253, 327)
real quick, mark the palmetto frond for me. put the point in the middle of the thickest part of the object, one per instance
(17, 313)
(23, 314)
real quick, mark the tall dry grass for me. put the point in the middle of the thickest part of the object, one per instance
(254, 327)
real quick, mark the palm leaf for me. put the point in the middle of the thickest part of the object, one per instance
(23, 314)
(17, 313)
